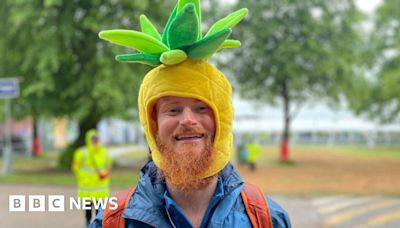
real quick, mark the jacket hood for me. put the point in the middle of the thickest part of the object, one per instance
(88, 138)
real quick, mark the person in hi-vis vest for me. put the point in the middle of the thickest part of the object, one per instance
(254, 151)
(91, 165)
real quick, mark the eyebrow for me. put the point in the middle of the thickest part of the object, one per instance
(169, 103)
(159, 106)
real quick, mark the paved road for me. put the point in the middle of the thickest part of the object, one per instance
(343, 211)
(311, 212)
(69, 218)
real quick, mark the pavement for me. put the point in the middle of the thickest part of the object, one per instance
(68, 218)
(343, 211)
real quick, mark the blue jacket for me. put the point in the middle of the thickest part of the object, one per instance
(152, 206)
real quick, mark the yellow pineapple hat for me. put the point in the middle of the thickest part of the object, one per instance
(181, 69)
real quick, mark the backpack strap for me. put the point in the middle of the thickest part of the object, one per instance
(113, 217)
(256, 206)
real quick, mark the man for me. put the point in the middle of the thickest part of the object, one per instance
(91, 165)
(186, 111)
(191, 182)
(254, 152)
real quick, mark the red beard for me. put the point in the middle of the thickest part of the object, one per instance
(182, 169)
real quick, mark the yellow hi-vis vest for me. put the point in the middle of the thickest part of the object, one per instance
(86, 166)
(254, 152)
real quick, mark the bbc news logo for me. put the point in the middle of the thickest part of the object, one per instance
(57, 203)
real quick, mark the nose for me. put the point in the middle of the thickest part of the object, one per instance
(188, 117)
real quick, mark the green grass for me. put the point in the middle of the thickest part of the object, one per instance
(133, 155)
(42, 170)
(118, 179)
(355, 151)
(271, 153)
(39, 179)
(124, 178)
(38, 171)
(27, 164)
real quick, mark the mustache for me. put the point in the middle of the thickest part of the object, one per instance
(189, 130)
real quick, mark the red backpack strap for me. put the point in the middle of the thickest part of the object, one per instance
(113, 217)
(256, 206)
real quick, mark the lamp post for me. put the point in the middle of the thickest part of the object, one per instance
(9, 88)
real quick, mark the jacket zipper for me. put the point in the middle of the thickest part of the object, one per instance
(169, 217)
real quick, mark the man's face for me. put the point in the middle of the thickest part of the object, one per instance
(95, 141)
(185, 134)
(184, 122)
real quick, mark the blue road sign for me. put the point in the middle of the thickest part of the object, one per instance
(9, 88)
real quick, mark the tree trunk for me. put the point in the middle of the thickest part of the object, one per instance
(286, 130)
(65, 159)
(36, 143)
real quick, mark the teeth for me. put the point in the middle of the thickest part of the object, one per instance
(188, 137)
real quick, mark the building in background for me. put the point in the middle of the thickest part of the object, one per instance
(314, 124)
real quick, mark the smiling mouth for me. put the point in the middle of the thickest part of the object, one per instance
(189, 137)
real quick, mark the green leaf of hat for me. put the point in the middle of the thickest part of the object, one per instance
(181, 39)
(230, 44)
(181, 5)
(184, 28)
(148, 28)
(227, 44)
(207, 46)
(134, 39)
(170, 20)
(173, 57)
(229, 21)
(148, 59)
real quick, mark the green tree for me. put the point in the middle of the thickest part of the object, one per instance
(67, 69)
(297, 51)
(383, 58)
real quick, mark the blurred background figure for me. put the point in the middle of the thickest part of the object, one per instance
(242, 151)
(91, 165)
(249, 151)
(253, 153)
(242, 154)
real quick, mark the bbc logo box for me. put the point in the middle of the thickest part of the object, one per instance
(36, 203)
